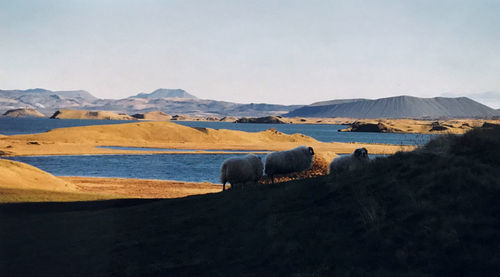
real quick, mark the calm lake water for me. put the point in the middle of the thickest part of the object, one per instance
(178, 167)
(29, 125)
(321, 132)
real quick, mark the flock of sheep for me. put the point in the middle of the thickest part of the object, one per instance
(250, 168)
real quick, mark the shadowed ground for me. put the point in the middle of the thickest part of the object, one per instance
(432, 212)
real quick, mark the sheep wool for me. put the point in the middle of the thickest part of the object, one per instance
(358, 159)
(240, 170)
(290, 161)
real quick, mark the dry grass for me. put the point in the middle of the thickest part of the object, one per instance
(321, 162)
(83, 140)
(83, 114)
(140, 188)
(10, 195)
(17, 175)
(452, 126)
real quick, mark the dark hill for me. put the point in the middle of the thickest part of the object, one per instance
(266, 119)
(23, 113)
(400, 107)
(165, 93)
(431, 212)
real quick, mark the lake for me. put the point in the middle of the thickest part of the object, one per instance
(169, 150)
(172, 166)
(32, 125)
(178, 167)
(321, 132)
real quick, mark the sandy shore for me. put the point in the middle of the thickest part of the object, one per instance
(412, 126)
(90, 189)
(140, 188)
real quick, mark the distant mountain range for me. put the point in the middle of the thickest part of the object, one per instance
(171, 101)
(178, 101)
(45, 101)
(166, 93)
(397, 107)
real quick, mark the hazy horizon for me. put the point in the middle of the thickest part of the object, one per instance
(282, 52)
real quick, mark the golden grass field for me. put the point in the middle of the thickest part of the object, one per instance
(84, 140)
(83, 114)
(415, 126)
(453, 126)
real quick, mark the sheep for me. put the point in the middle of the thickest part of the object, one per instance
(290, 161)
(358, 159)
(240, 170)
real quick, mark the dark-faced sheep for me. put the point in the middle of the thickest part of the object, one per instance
(290, 161)
(240, 170)
(358, 159)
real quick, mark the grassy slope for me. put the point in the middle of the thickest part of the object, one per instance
(430, 212)
(83, 114)
(24, 176)
(20, 182)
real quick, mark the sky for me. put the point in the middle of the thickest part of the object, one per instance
(284, 52)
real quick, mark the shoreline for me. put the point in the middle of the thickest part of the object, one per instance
(410, 123)
(107, 188)
(342, 147)
(143, 153)
(140, 188)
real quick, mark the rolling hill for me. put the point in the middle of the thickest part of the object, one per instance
(431, 212)
(83, 114)
(23, 113)
(400, 107)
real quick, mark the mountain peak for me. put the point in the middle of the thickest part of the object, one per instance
(36, 90)
(166, 93)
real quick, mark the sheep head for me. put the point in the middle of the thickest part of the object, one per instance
(361, 153)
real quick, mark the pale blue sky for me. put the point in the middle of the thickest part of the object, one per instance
(289, 52)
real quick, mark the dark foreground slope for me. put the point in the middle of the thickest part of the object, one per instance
(432, 212)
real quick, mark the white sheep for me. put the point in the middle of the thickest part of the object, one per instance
(290, 161)
(358, 159)
(240, 170)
